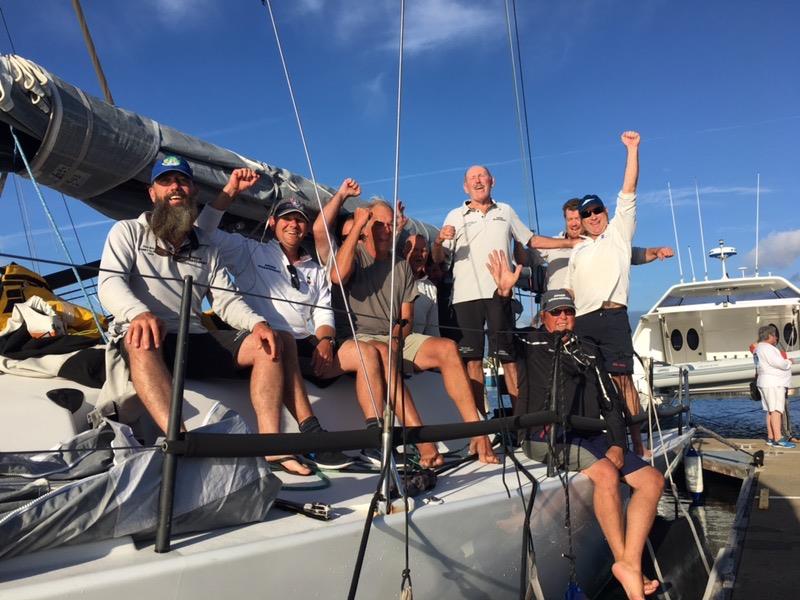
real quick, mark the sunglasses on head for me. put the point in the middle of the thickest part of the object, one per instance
(585, 214)
(557, 312)
(293, 276)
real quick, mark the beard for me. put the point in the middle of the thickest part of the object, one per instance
(170, 222)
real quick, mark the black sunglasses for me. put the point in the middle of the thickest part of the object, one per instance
(557, 312)
(293, 275)
(585, 214)
(176, 256)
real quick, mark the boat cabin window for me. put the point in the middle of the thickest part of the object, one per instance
(676, 339)
(692, 339)
(731, 295)
(790, 334)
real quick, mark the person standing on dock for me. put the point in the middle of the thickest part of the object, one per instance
(774, 376)
(599, 277)
(584, 390)
(469, 234)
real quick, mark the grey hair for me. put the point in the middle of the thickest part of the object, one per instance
(765, 331)
(378, 201)
(484, 167)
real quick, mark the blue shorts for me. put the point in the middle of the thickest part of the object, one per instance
(583, 453)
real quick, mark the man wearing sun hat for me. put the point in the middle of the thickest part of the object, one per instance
(140, 283)
(599, 277)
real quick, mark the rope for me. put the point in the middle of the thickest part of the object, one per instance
(57, 232)
(87, 37)
(268, 5)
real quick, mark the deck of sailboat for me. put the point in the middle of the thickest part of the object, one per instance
(465, 541)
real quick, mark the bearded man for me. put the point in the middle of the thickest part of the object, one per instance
(141, 281)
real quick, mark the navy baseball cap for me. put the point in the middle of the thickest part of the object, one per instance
(291, 205)
(553, 299)
(590, 201)
(171, 162)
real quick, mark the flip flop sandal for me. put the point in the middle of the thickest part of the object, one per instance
(280, 465)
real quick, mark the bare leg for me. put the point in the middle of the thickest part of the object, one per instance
(429, 454)
(475, 373)
(370, 383)
(152, 382)
(774, 423)
(266, 391)
(295, 396)
(628, 392)
(647, 484)
(510, 370)
(443, 354)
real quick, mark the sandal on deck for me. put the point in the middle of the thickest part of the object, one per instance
(279, 464)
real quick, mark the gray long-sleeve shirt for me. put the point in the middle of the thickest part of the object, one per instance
(146, 274)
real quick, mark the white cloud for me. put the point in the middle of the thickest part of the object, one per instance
(373, 95)
(686, 195)
(176, 13)
(443, 22)
(778, 250)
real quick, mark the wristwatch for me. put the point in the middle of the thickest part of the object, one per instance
(331, 339)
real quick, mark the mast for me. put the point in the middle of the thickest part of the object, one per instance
(758, 206)
(675, 231)
(702, 235)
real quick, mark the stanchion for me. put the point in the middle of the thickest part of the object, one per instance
(170, 467)
(551, 457)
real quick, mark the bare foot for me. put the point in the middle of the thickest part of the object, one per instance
(630, 579)
(289, 464)
(429, 456)
(650, 585)
(483, 448)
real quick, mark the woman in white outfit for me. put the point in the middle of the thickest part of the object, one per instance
(774, 376)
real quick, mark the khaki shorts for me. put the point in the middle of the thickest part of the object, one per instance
(411, 345)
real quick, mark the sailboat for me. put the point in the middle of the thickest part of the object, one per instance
(464, 535)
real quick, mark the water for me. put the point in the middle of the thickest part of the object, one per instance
(737, 417)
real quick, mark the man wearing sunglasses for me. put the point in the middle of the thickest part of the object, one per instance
(281, 281)
(584, 389)
(140, 283)
(599, 275)
(469, 233)
(557, 259)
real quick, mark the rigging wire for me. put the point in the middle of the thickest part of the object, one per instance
(346, 303)
(26, 223)
(57, 232)
(8, 33)
(74, 229)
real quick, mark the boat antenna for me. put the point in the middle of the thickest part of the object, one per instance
(675, 231)
(87, 37)
(702, 235)
(691, 262)
(758, 206)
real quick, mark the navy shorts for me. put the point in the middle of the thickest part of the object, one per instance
(208, 355)
(583, 453)
(305, 352)
(469, 318)
(609, 331)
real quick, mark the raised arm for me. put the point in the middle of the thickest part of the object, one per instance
(446, 233)
(346, 255)
(504, 278)
(547, 243)
(329, 215)
(239, 181)
(631, 140)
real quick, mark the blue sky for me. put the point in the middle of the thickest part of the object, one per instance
(712, 87)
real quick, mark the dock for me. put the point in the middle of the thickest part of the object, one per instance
(759, 560)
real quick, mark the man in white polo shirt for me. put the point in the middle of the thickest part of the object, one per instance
(599, 276)
(469, 234)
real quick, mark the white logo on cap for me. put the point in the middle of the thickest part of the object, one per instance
(171, 161)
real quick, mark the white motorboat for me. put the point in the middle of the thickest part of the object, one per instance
(707, 328)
